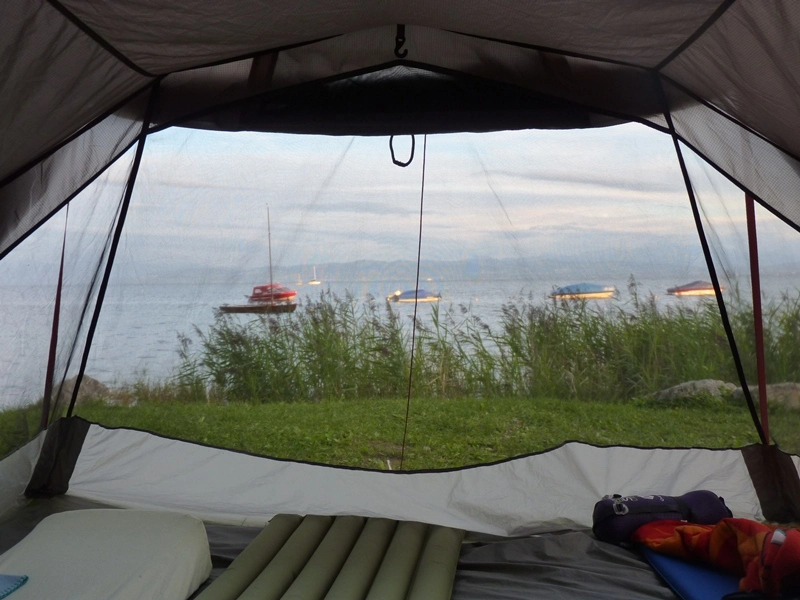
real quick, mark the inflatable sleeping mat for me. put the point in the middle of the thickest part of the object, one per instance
(342, 558)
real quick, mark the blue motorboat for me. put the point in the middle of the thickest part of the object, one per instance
(413, 296)
(584, 291)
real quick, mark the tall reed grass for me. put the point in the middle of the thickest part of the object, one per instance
(339, 348)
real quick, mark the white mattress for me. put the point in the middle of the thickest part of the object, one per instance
(105, 554)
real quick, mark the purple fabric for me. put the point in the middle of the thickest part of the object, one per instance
(615, 518)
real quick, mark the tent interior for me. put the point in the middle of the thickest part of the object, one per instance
(157, 165)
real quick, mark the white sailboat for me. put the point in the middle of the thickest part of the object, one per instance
(314, 281)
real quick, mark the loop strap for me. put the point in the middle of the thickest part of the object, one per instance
(400, 163)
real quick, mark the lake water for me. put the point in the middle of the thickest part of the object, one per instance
(137, 336)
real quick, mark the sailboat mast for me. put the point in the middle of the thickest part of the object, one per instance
(269, 245)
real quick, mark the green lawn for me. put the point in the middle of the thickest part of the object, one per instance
(441, 433)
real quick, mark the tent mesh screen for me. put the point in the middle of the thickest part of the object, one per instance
(500, 366)
(30, 275)
(778, 246)
(762, 168)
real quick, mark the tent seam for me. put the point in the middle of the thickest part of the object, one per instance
(416, 290)
(270, 94)
(740, 185)
(712, 19)
(105, 44)
(93, 123)
(549, 50)
(117, 234)
(725, 115)
(536, 47)
(85, 308)
(252, 55)
(69, 198)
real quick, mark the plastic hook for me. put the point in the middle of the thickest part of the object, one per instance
(400, 41)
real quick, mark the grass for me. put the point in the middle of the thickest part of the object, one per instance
(442, 433)
(18, 426)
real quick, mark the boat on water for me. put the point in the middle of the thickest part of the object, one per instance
(695, 288)
(413, 296)
(315, 281)
(259, 309)
(268, 298)
(584, 291)
(271, 293)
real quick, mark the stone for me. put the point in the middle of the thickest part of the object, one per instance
(90, 389)
(692, 389)
(778, 394)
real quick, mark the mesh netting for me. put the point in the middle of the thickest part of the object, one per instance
(30, 281)
(503, 363)
(67, 171)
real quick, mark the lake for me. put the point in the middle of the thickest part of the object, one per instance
(139, 327)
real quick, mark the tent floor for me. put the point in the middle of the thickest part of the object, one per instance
(567, 564)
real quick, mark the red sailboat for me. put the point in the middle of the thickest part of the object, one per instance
(269, 298)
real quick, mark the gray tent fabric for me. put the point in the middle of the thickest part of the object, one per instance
(570, 565)
(67, 64)
(625, 31)
(742, 65)
(56, 80)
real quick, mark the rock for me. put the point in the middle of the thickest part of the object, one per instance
(90, 389)
(692, 389)
(778, 394)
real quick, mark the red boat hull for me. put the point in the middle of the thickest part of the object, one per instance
(271, 293)
(259, 308)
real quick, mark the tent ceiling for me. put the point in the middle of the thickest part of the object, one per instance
(478, 64)
(55, 81)
(746, 65)
(400, 100)
(66, 65)
(161, 39)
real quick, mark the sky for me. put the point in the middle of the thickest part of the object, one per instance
(603, 199)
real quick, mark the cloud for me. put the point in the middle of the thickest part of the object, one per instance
(201, 198)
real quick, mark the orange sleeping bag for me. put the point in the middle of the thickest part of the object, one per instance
(765, 556)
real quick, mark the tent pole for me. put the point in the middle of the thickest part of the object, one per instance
(758, 321)
(712, 271)
(269, 246)
(112, 251)
(51, 358)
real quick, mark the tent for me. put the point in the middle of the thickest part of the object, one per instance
(104, 105)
